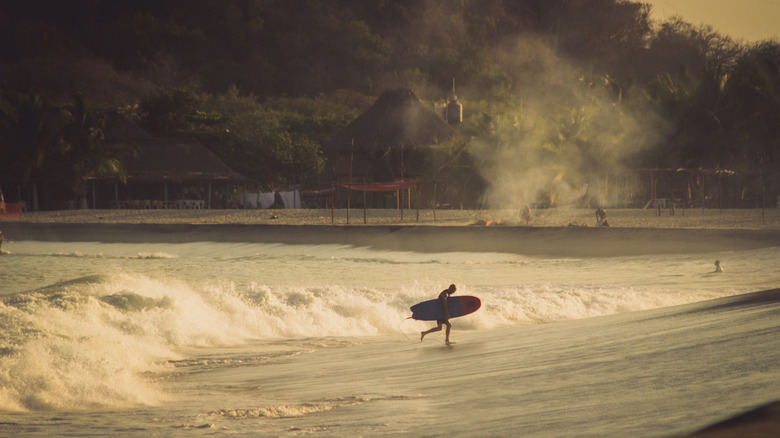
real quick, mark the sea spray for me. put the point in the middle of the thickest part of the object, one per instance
(88, 342)
(65, 349)
(106, 340)
(538, 304)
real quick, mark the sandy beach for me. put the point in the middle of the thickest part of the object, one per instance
(768, 219)
(554, 232)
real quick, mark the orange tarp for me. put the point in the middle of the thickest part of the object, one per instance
(9, 211)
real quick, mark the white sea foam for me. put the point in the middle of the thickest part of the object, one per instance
(88, 341)
(105, 330)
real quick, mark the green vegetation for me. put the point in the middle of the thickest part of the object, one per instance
(562, 93)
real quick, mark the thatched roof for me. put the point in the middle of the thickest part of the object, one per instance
(178, 160)
(158, 159)
(396, 119)
(120, 128)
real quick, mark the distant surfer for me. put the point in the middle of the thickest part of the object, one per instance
(718, 267)
(1, 241)
(446, 321)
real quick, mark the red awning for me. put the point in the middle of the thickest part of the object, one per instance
(385, 187)
(9, 210)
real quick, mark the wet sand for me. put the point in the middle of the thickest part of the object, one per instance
(558, 217)
(555, 232)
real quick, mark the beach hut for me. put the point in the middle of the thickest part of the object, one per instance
(166, 173)
(371, 154)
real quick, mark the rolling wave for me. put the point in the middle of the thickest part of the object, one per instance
(94, 340)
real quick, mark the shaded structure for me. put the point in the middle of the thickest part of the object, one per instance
(166, 173)
(375, 149)
(685, 188)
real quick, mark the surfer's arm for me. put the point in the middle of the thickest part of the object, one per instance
(444, 305)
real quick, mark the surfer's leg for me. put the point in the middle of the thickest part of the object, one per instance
(435, 329)
(447, 336)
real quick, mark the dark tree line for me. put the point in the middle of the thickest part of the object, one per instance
(266, 82)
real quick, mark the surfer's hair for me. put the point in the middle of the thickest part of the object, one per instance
(452, 288)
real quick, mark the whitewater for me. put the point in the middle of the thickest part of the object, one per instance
(265, 339)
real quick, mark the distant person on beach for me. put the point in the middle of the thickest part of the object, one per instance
(525, 214)
(718, 268)
(446, 321)
(1, 241)
(601, 217)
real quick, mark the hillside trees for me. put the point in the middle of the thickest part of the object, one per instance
(44, 143)
(30, 130)
(276, 142)
(703, 100)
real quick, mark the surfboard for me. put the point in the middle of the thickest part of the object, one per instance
(432, 310)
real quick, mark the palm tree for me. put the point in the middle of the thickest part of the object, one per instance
(30, 130)
(84, 153)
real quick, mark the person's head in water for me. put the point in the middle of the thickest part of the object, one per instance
(451, 290)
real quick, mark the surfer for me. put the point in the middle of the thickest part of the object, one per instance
(718, 268)
(446, 321)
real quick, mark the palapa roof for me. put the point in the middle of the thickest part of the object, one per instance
(396, 119)
(178, 160)
(161, 159)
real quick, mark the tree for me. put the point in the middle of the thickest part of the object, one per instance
(83, 153)
(30, 132)
(168, 111)
(752, 107)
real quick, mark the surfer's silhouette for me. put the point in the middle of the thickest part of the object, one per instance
(718, 268)
(446, 321)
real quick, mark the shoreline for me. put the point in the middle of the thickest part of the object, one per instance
(554, 217)
(562, 232)
(568, 241)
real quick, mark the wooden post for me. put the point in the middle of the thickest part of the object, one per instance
(332, 200)
(364, 200)
(400, 199)
(419, 191)
(349, 192)
(434, 201)
(763, 198)
(399, 192)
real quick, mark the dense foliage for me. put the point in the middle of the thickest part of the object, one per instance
(558, 90)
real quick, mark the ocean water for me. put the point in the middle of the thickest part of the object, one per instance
(209, 338)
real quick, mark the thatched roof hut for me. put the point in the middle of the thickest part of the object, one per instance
(161, 169)
(397, 119)
(161, 159)
(376, 148)
(178, 160)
